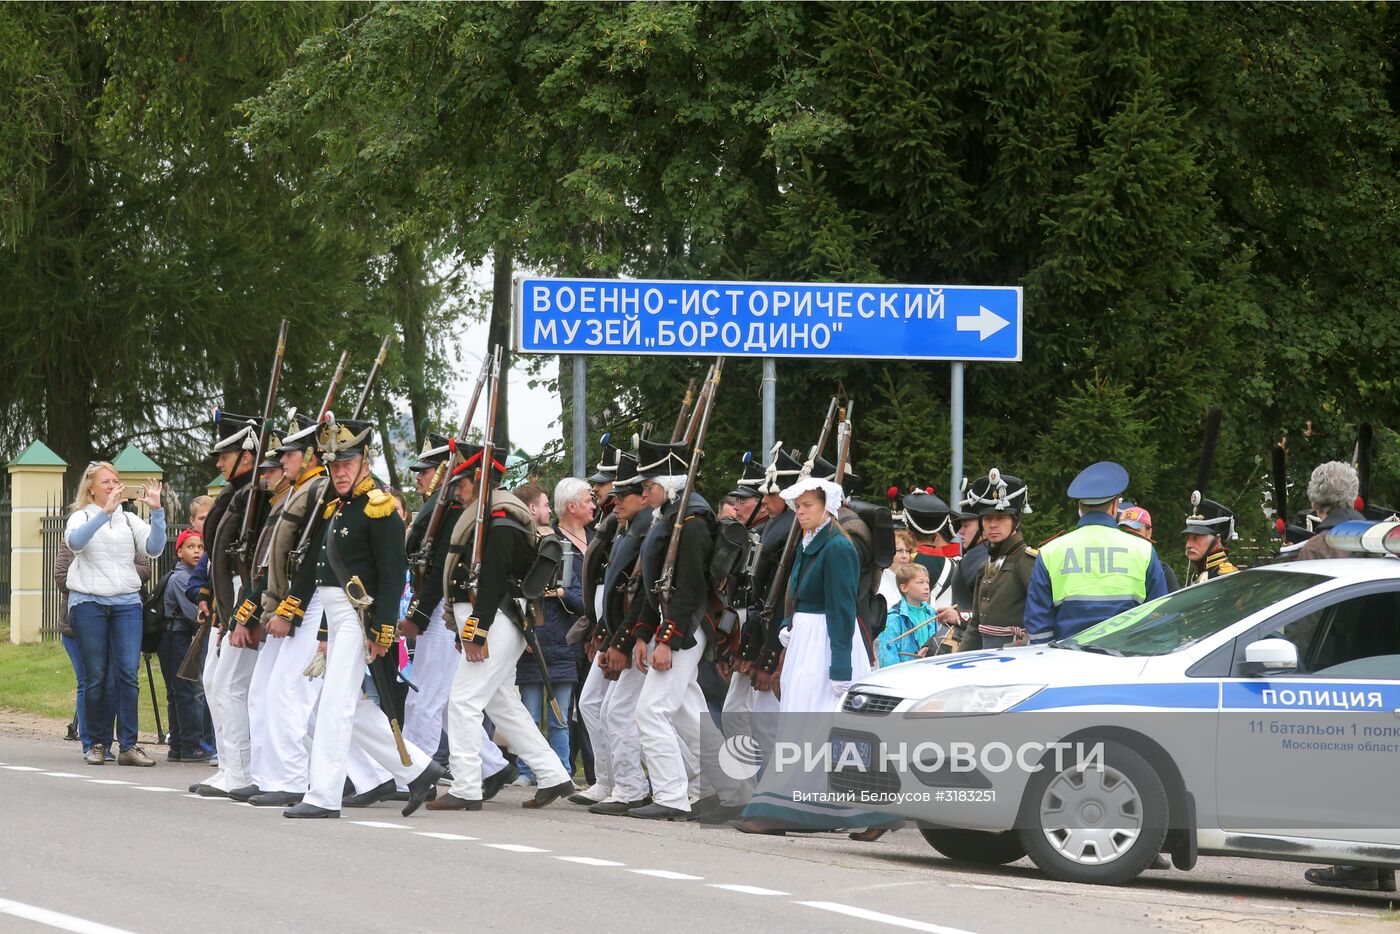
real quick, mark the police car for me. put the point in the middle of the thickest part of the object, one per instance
(1255, 715)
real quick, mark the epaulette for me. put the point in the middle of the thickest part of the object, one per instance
(379, 504)
(330, 509)
(1033, 552)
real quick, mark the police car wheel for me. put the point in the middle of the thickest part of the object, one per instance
(1083, 823)
(980, 847)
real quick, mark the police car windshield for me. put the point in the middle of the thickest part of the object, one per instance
(1175, 621)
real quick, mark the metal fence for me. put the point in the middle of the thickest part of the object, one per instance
(52, 524)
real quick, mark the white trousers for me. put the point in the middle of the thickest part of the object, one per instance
(435, 660)
(280, 705)
(736, 719)
(346, 716)
(233, 673)
(668, 725)
(591, 700)
(623, 742)
(487, 688)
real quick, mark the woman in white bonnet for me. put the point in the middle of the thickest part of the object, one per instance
(823, 655)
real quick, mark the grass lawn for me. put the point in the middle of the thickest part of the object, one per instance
(38, 679)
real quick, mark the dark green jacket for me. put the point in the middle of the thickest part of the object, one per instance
(823, 580)
(369, 537)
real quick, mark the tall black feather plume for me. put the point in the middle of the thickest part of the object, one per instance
(1208, 443)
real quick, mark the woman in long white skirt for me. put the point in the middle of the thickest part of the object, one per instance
(824, 654)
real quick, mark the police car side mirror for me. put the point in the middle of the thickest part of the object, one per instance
(1269, 656)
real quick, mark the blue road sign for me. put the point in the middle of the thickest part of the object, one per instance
(768, 319)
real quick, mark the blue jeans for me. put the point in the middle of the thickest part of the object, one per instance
(184, 702)
(75, 657)
(533, 696)
(109, 640)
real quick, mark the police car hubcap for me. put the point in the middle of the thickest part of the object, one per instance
(1091, 816)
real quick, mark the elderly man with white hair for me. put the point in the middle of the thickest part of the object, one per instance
(1332, 491)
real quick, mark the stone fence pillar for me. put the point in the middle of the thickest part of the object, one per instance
(36, 486)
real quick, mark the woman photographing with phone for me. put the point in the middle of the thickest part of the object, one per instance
(104, 602)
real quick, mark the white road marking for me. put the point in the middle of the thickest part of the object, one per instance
(515, 848)
(109, 781)
(667, 874)
(866, 914)
(745, 889)
(62, 775)
(21, 768)
(441, 836)
(590, 861)
(980, 888)
(154, 788)
(382, 824)
(55, 920)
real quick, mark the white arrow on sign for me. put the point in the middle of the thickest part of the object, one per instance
(986, 322)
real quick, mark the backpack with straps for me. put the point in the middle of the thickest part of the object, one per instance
(153, 615)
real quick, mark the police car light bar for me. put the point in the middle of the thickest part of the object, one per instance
(1366, 538)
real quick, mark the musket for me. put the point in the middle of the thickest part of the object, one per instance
(336, 379)
(700, 423)
(1364, 447)
(707, 390)
(372, 378)
(423, 558)
(686, 400)
(246, 539)
(777, 588)
(483, 489)
(843, 440)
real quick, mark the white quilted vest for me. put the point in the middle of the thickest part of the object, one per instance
(107, 566)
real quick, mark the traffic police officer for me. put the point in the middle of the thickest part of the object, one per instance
(1209, 526)
(1095, 570)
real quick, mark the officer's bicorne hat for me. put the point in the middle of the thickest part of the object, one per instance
(471, 461)
(926, 513)
(998, 494)
(1209, 518)
(1099, 483)
(300, 434)
(349, 438)
(824, 469)
(628, 480)
(234, 432)
(436, 449)
(655, 459)
(605, 471)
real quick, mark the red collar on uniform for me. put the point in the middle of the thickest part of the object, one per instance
(953, 550)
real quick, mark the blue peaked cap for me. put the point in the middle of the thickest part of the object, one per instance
(1099, 483)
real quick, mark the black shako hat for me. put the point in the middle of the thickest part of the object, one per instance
(300, 434)
(926, 513)
(628, 480)
(747, 487)
(824, 469)
(605, 471)
(998, 494)
(234, 432)
(436, 449)
(655, 459)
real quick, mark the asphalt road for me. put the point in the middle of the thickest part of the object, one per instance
(98, 849)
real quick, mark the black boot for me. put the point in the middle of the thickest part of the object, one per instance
(244, 793)
(423, 788)
(305, 810)
(661, 812)
(547, 796)
(375, 794)
(275, 799)
(494, 783)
